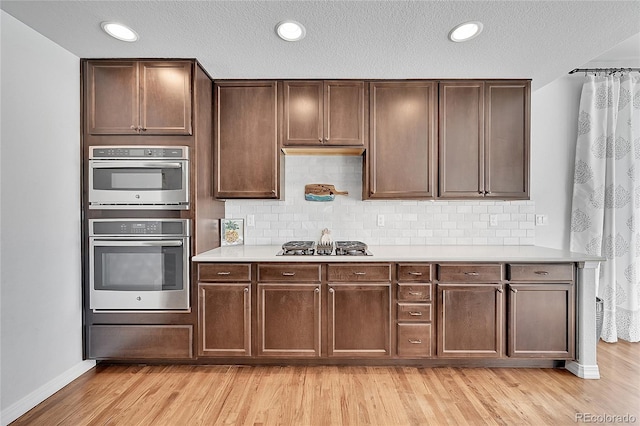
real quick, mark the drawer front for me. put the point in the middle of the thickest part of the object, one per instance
(414, 292)
(417, 272)
(470, 273)
(541, 272)
(224, 272)
(415, 312)
(414, 340)
(359, 272)
(289, 273)
(140, 341)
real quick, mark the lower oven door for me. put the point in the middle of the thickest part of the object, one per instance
(149, 274)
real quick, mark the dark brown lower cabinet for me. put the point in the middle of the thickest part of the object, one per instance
(289, 319)
(224, 318)
(541, 320)
(470, 320)
(359, 318)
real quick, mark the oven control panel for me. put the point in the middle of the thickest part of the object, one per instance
(132, 227)
(138, 152)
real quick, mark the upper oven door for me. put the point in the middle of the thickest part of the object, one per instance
(139, 274)
(129, 184)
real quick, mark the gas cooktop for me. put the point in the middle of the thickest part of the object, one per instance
(310, 248)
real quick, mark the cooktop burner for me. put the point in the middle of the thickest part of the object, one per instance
(310, 248)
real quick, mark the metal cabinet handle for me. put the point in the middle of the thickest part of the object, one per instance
(415, 293)
(133, 127)
(514, 290)
(415, 314)
(224, 273)
(418, 274)
(331, 290)
(288, 274)
(542, 273)
(473, 274)
(317, 290)
(246, 289)
(144, 129)
(499, 289)
(360, 273)
(415, 341)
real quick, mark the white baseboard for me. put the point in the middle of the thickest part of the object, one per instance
(20, 407)
(583, 371)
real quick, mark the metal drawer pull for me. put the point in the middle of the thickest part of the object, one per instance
(515, 290)
(415, 341)
(317, 290)
(246, 289)
(288, 274)
(473, 274)
(542, 273)
(415, 293)
(415, 273)
(360, 273)
(415, 314)
(331, 290)
(499, 290)
(224, 273)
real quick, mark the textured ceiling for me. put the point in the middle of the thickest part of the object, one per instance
(345, 39)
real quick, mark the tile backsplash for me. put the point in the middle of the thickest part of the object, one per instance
(350, 218)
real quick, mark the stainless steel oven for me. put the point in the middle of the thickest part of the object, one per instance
(137, 177)
(139, 264)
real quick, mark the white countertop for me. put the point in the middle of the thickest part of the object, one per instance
(403, 254)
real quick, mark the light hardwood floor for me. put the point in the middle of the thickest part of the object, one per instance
(327, 395)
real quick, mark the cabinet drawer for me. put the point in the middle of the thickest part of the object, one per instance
(359, 272)
(470, 273)
(414, 292)
(140, 341)
(414, 272)
(224, 272)
(289, 273)
(541, 272)
(415, 312)
(414, 340)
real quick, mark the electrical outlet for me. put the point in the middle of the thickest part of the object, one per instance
(493, 220)
(541, 219)
(380, 220)
(251, 220)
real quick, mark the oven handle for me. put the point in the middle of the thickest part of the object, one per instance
(134, 164)
(111, 243)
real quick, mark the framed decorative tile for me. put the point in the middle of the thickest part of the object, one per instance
(231, 232)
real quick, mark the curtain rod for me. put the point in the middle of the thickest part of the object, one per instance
(602, 70)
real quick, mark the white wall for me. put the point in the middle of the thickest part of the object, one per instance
(40, 281)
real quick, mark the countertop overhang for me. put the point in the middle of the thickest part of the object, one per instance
(428, 253)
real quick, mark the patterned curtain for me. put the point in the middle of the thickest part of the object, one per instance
(605, 216)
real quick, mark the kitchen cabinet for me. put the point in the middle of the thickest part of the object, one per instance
(138, 97)
(483, 141)
(471, 319)
(400, 162)
(317, 113)
(224, 309)
(289, 310)
(246, 158)
(415, 311)
(541, 311)
(359, 310)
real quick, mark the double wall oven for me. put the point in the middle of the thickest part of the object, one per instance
(138, 262)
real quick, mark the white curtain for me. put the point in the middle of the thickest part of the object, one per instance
(605, 216)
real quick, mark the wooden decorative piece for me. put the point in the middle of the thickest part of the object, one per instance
(321, 192)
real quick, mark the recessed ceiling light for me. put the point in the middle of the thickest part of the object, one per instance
(465, 31)
(119, 31)
(290, 30)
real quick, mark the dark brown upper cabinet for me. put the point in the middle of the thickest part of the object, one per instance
(400, 162)
(246, 157)
(483, 141)
(317, 113)
(139, 97)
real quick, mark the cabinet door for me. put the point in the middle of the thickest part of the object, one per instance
(400, 162)
(289, 320)
(112, 105)
(246, 140)
(541, 320)
(344, 113)
(224, 319)
(470, 320)
(165, 98)
(461, 140)
(359, 320)
(507, 125)
(303, 113)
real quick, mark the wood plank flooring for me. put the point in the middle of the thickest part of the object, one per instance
(328, 395)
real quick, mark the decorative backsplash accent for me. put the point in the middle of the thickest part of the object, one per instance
(350, 218)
